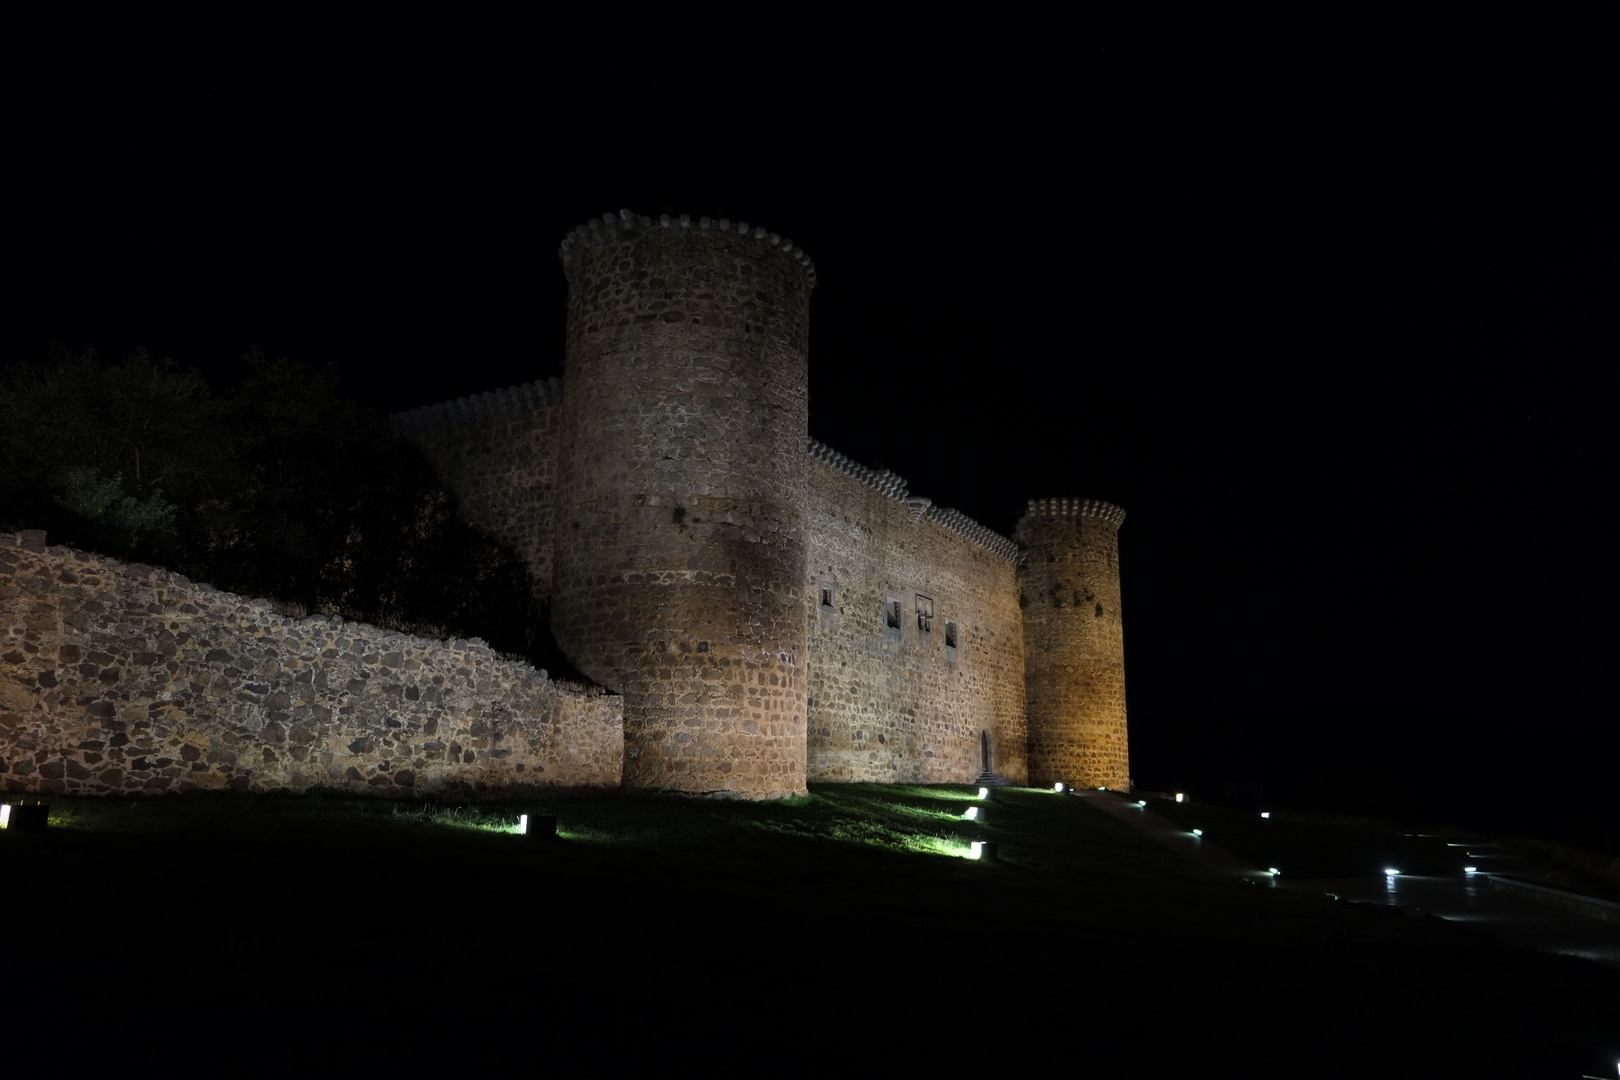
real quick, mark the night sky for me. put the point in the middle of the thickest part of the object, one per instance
(1336, 333)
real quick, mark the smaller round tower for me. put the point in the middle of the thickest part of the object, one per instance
(1074, 646)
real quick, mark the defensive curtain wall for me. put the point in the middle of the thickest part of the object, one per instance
(916, 666)
(122, 678)
(498, 453)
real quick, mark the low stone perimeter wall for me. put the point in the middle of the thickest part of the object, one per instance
(121, 678)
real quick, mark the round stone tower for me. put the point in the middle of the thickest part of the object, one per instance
(1074, 647)
(681, 519)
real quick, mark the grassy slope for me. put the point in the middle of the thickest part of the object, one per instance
(830, 930)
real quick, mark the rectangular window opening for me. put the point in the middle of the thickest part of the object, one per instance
(925, 615)
(950, 635)
(891, 614)
(826, 598)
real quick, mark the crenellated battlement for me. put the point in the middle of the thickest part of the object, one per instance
(893, 486)
(890, 484)
(960, 523)
(1095, 508)
(625, 221)
(479, 408)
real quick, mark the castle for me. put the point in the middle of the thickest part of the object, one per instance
(770, 611)
(765, 611)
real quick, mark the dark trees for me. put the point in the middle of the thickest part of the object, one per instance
(281, 488)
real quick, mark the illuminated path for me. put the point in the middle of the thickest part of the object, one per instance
(1468, 899)
(1194, 848)
(1472, 900)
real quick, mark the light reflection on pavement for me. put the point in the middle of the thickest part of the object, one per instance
(1470, 899)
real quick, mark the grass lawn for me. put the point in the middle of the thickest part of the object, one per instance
(843, 931)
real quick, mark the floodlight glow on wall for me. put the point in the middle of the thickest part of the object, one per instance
(972, 813)
(523, 824)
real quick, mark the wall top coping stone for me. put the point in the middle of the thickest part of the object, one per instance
(608, 225)
(1069, 508)
(479, 408)
(893, 486)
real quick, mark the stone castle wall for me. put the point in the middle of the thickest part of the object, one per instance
(667, 506)
(1074, 643)
(498, 453)
(681, 528)
(122, 678)
(902, 704)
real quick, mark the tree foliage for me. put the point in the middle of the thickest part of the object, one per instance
(100, 451)
(281, 488)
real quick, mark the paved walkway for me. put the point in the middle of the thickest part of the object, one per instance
(1468, 899)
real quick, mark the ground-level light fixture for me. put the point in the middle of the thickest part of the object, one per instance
(984, 850)
(23, 817)
(1265, 814)
(1198, 832)
(1180, 797)
(1058, 787)
(1470, 869)
(523, 824)
(984, 793)
(1141, 802)
(1390, 871)
(971, 813)
(1273, 871)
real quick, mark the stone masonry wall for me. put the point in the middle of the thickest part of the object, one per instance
(898, 705)
(122, 678)
(498, 453)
